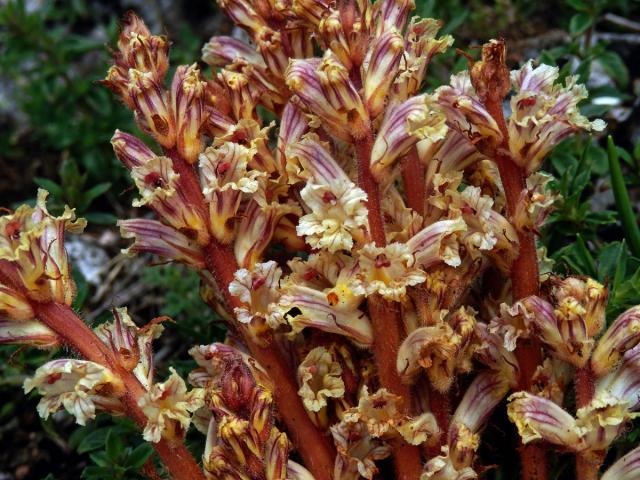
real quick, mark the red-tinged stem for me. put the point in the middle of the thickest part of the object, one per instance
(587, 465)
(524, 282)
(76, 334)
(413, 172)
(314, 447)
(385, 319)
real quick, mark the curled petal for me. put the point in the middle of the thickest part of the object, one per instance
(403, 126)
(437, 243)
(310, 308)
(493, 353)
(540, 419)
(321, 378)
(131, 345)
(465, 112)
(151, 236)
(225, 177)
(442, 468)
(481, 398)
(358, 451)
(431, 348)
(293, 125)
(388, 271)
(324, 87)
(151, 107)
(187, 99)
(392, 14)
(535, 203)
(337, 215)
(622, 335)
(79, 386)
(544, 114)
(623, 383)
(602, 420)
(258, 289)
(168, 407)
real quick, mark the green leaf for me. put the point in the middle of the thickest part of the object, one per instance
(614, 66)
(579, 23)
(93, 193)
(114, 446)
(53, 188)
(101, 218)
(627, 217)
(93, 441)
(579, 5)
(585, 256)
(139, 456)
(82, 288)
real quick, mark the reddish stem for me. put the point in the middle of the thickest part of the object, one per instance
(315, 448)
(75, 333)
(385, 319)
(524, 282)
(587, 464)
(413, 173)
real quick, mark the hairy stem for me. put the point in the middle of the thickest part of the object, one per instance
(524, 282)
(314, 447)
(76, 334)
(587, 464)
(385, 319)
(413, 173)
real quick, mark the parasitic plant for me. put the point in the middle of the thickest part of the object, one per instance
(372, 252)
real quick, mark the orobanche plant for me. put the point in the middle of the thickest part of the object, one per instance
(372, 252)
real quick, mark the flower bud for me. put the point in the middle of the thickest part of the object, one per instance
(324, 87)
(622, 335)
(130, 150)
(187, 98)
(152, 110)
(221, 51)
(383, 64)
(403, 126)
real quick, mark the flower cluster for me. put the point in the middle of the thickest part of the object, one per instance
(368, 251)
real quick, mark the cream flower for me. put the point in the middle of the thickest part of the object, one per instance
(320, 377)
(337, 214)
(79, 386)
(388, 271)
(168, 408)
(258, 289)
(358, 451)
(543, 113)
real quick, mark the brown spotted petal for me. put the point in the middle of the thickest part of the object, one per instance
(152, 108)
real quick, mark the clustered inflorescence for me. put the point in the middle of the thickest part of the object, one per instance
(372, 251)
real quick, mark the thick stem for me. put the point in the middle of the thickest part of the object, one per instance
(313, 446)
(385, 319)
(413, 173)
(524, 282)
(75, 333)
(587, 464)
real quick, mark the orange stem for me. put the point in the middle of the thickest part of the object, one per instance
(524, 282)
(314, 447)
(385, 319)
(75, 333)
(587, 465)
(413, 173)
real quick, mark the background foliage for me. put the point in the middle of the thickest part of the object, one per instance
(55, 126)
